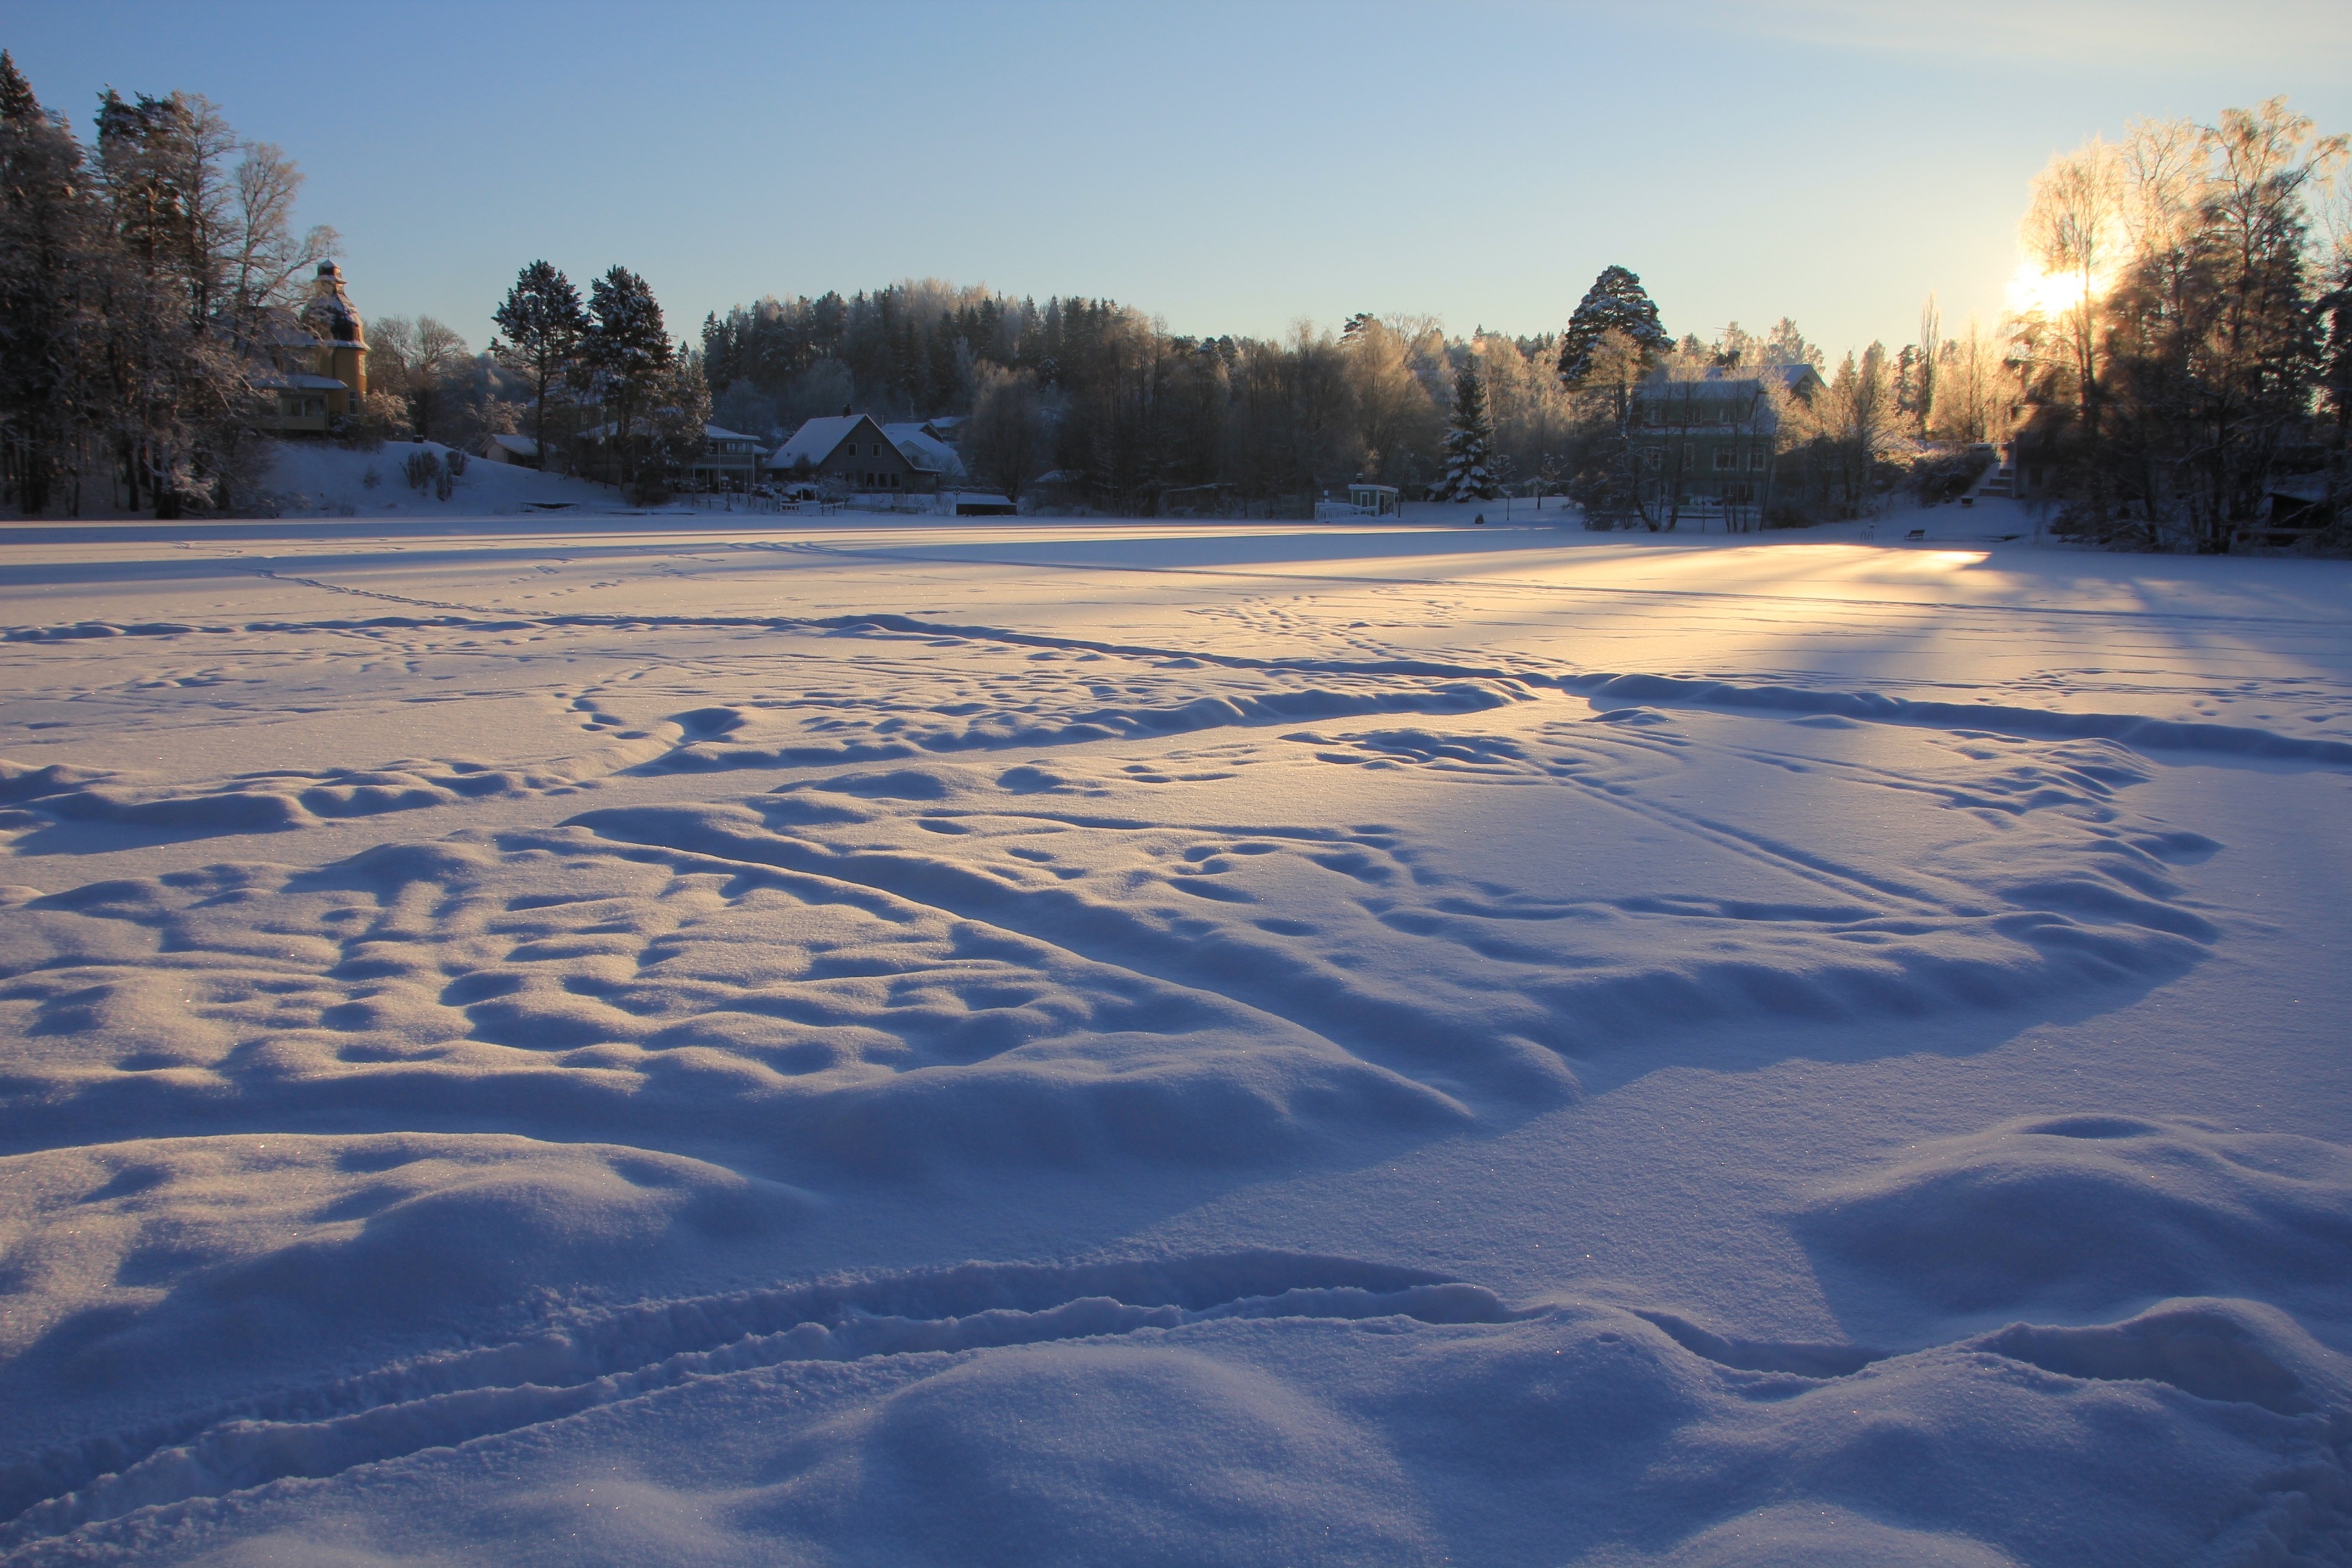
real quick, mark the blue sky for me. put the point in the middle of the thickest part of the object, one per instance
(1228, 167)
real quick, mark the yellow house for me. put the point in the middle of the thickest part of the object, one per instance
(323, 367)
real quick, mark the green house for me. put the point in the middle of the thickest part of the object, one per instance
(1707, 442)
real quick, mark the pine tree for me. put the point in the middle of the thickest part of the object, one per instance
(544, 325)
(1470, 445)
(627, 347)
(1615, 299)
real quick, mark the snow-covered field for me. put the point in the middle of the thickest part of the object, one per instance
(630, 1041)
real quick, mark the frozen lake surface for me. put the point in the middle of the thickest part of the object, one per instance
(718, 1040)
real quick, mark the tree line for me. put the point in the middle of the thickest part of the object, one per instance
(2184, 373)
(2179, 376)
(1124, 415)
(141, 278)
(148, 282)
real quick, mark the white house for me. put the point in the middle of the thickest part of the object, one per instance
(729, 459)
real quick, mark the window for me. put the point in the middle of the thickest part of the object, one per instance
(1759, 460)
(1726, 459)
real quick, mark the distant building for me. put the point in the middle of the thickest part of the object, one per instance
(1708, 444)
(927, 446)
(321, 367)
(520, 450)
(730, 460)
(855, 450)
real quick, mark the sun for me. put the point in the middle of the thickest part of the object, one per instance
(2034, 292)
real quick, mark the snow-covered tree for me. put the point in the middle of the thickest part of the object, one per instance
(544, 323)
(1396, 420)
(174, 390)
(679, 421)
(1615, 302)
(627, 349)
(1469, 444)
(1007, 441)
(49, 232)
(419, 361)
(264, 257)
(1854, 429)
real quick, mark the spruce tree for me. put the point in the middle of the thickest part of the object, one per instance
(17, 99)
(1615, 299)
(544, 324)
(1470, 445)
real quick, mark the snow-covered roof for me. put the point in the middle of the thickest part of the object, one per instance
(815, 440)
(919, 445)
(301, 382)
(1753, 376)
(521, 446)
(329, 311)
(719, 432)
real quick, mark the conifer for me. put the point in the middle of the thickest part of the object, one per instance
(1470, 445)
(1616, 299)
(544, 324)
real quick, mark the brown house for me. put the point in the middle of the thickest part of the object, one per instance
(855, 450)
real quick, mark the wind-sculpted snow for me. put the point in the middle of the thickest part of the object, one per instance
(801, 1045)
(879, 970)
(600, 986)
(1209, 1410)
(2085, 1211)
(2238, 740)
(1030, 706)
(258, 802)
(2035, 886)
(921, 696)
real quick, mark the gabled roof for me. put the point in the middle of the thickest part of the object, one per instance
(719, 432)
(815, 439)
(1791, 377)
(920, 445)
(1729, 380)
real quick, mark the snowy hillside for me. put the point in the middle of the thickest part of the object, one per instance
(314, 478)
(1023, 1042)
